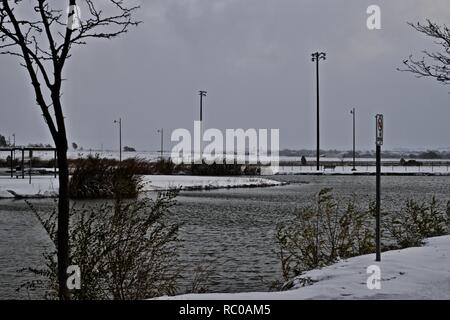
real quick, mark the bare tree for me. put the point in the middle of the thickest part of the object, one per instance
(42, 37)
(433, 64)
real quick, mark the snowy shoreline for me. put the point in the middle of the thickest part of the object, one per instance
(47, 187)
(412, 273)
(360, 170)
(193, 183)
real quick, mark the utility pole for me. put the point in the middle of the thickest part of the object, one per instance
(202, 94)
(161, 131)
(353, 112)
(120, 137)
(316, 57)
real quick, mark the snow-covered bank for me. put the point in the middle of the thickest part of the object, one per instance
(40, 187)
(47, 187)
(413, 273)
(159, 183)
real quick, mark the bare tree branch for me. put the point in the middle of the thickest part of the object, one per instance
(433, 64)
(28, 55)
(42, 42)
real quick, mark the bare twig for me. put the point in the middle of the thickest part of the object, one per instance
(433, 64)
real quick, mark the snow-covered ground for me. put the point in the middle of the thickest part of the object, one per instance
(42, 187)
(413, 273)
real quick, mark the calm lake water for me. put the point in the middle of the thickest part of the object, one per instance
(231, 231)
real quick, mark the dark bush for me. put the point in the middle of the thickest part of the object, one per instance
(303, 161)
(164, 167)
(96, 178)
(418, 221)
(216, 169)
(129, 149)
(319, 235)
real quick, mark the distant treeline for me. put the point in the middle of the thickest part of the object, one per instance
(141, 166)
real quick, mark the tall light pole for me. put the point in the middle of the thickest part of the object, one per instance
(120, 137)
(161, 131)
(353, 112)
(316, 57)
(202, 94)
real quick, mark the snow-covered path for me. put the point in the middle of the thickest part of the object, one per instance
(413, 273)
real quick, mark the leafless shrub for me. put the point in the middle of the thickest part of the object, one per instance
(126, 250)
(319, 236)
(97, 178)
(418, 221)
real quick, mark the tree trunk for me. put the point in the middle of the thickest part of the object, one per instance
(63, 220)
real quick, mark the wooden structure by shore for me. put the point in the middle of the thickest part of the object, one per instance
(29, 150)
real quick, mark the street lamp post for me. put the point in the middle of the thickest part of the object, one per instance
(353, 112)
(202, 94)
(316, 57)
(120, 137)
(161, 131)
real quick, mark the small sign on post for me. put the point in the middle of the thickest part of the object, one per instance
(380, 127)
(379, 143)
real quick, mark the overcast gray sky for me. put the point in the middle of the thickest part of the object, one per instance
(254, 59)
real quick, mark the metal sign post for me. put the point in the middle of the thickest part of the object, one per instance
(379, 140)
(30, 162)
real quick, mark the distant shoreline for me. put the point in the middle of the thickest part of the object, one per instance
(392, 174)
